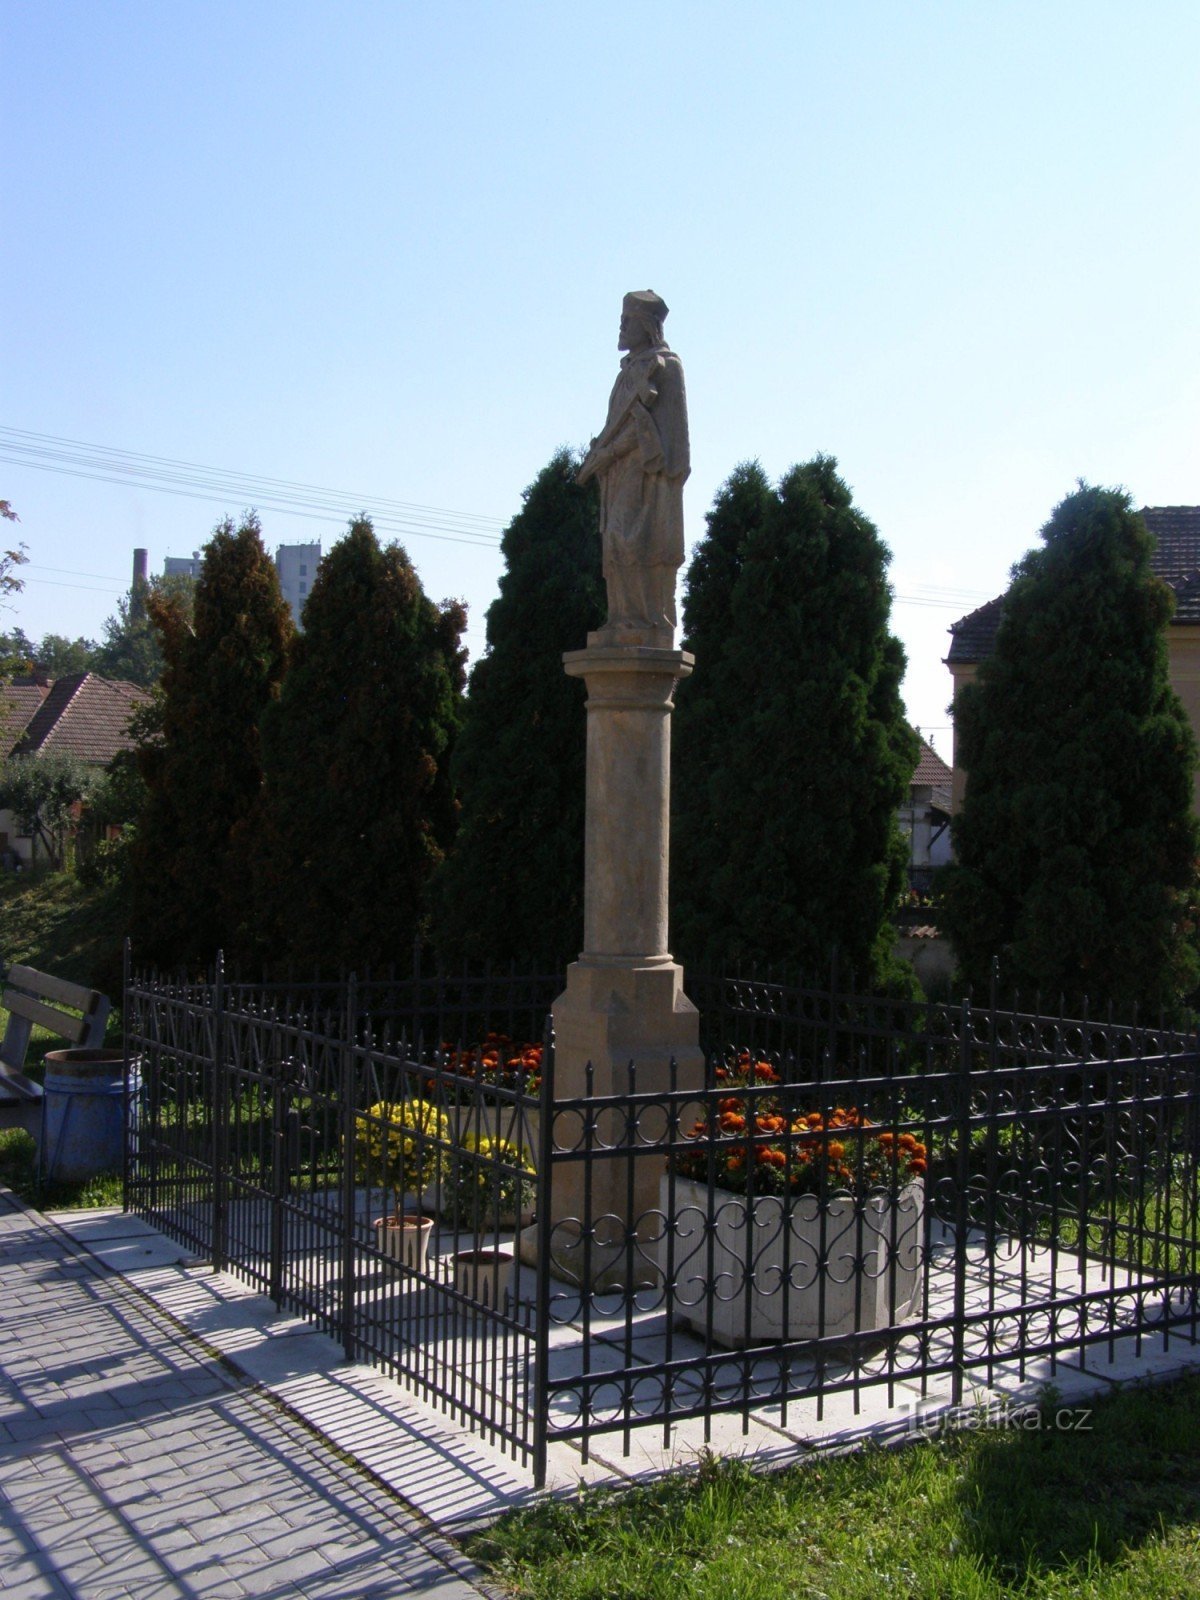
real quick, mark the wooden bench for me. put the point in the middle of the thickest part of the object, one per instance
(33, 997)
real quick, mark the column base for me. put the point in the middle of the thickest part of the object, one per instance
(614, 1012)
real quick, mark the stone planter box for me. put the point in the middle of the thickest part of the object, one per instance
(490, 1119)
(822, 1295)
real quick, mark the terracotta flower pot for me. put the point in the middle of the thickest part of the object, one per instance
(406, 1238)
(485, 1274)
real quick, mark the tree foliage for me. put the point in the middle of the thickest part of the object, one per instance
(60, 657)
(11, 660)
(792, 753)
(512, 890)
(1076, 844)
(358, 807)
(203, 772)
(17, 654)
(131, 650)
(42, 792)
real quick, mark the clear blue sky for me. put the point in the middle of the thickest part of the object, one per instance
(381, 248)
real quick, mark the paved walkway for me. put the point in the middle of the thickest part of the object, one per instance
(166, 1432)
(135, 1462)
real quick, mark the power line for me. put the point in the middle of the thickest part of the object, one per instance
(104, 464)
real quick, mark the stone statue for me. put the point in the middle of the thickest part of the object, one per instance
(641, 461)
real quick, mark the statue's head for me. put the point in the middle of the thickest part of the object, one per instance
(642, 316)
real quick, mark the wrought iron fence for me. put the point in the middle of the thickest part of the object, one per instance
(891, 1201)
(373, 1189)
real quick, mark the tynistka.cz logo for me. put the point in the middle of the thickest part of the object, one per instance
(934, 1417)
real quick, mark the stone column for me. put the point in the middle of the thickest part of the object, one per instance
(624, 999)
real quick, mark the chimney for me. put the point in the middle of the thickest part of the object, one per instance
(137, 593)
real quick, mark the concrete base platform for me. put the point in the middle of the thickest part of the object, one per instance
(459, 1481)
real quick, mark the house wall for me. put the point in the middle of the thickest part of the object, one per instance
(928, 840)
(19, 842)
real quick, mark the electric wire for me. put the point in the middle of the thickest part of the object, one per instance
(103, 464)
(189, 480)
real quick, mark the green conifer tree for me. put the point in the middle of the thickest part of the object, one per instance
(512, 890)
(203, 771)
(795, 752)
(358, 807)
(1076, 843)
(741, 507)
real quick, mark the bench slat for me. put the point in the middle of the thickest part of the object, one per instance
(16, 1086)
(67, 1027)
(41, 984)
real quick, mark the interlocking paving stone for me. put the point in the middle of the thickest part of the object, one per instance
(133, 1463)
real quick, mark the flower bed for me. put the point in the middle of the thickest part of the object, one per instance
(476, 1112)
(782, 1223)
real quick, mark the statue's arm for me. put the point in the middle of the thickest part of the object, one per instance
(605, 450)
(670, 417)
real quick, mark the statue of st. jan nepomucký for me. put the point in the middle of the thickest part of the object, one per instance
(641, 462)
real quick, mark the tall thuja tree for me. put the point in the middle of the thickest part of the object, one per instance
(1076, 844)
(512, 890)
(808, 750)
(358, 808)
(741, 507)
(222, 667)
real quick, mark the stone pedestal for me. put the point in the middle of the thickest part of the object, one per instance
(624, 999)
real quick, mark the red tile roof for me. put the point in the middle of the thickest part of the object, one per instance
(931, 769)
(82, 715)
(1176, 559)
(18, 702)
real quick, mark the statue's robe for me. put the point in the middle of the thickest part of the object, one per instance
(641, 491)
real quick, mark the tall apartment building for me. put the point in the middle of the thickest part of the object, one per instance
(182, 566)
(296, 565)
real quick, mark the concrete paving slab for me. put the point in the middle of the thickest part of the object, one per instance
(187, 1481)
(108, 1222)
(687, 1444)
(128, 1256)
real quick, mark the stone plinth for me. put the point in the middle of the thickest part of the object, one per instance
(624, 999)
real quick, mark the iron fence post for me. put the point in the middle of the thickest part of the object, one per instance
(127, 1122)
(220, 1116)
(961, 1207)
(346, 1310)
(545, 1232)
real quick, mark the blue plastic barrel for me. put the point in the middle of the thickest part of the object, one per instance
(83, 1113)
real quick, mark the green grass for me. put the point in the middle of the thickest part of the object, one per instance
(991, 1514)
(49, 920)
(18, 1172)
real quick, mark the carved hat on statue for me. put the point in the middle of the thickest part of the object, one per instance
(650, 310)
